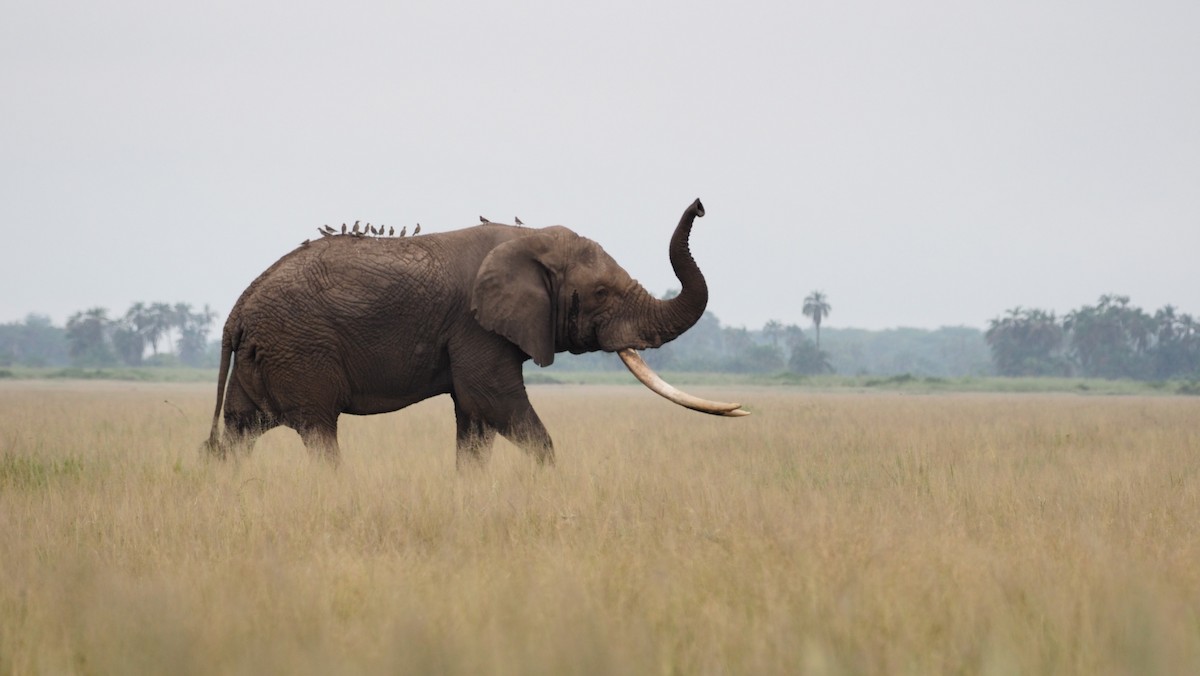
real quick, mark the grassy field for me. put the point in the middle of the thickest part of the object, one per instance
(827, 533)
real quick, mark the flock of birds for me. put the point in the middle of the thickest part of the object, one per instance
(377, 231)
(366, 231)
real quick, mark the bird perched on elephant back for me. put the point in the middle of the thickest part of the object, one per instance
(367, 325)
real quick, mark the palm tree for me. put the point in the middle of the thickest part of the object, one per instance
(817, 307)
(193, 333)
(162, 320)
(139, 319)
(773, 330)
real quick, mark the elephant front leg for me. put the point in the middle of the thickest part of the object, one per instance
(511, 415)
(489, 397)
(526, 430)
(474, 438)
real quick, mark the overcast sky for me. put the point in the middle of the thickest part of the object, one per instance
(924, 163)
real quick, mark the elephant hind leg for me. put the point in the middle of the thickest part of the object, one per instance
(242, 431)
(244, 424)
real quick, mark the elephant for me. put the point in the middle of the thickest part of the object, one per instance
(367, 325)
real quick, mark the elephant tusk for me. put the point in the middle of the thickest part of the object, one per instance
(638, 367)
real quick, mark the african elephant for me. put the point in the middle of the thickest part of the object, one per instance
(365, 325)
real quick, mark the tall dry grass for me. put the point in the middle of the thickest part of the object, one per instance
(824, 534)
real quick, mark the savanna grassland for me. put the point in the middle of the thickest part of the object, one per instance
(827, 533)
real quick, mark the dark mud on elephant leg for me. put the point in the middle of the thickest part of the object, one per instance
(514, 417)
(526, 430)
(242, 429)
(474, 438)
(319, 433)
(244, 424)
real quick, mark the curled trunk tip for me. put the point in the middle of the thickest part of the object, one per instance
(665, 320)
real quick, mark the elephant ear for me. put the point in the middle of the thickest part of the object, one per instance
(514, 293)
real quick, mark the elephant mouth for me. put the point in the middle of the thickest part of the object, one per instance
(579, 337)
(642, 371)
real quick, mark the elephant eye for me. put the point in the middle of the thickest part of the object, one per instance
(601, 292)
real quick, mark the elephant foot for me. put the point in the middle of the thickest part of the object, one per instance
(213, 449)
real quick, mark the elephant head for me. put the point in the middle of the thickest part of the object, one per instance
(554, 291)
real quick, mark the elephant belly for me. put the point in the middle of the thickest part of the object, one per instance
(370, 404)
(391, 389)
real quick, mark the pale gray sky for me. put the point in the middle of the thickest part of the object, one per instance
(924, 163)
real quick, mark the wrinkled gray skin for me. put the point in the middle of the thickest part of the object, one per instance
(365, 325)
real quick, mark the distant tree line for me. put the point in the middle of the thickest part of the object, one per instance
(1111, 339)
(710, 347)
(776, 347)
(92, 338)
(786, 348)
(946, 352)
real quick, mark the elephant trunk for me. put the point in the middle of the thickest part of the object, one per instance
(667, 319)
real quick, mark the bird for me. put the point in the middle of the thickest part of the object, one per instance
(403, 230)
(343, 228)
(517, 219)
(417, 231)
(356, 225)
(323, 233)
(355, 230)
(483, 220)
(391, 231)
(305, 242)
(372, 229)
(328, 230)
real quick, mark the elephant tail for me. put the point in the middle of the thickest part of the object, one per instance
(227, 347)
